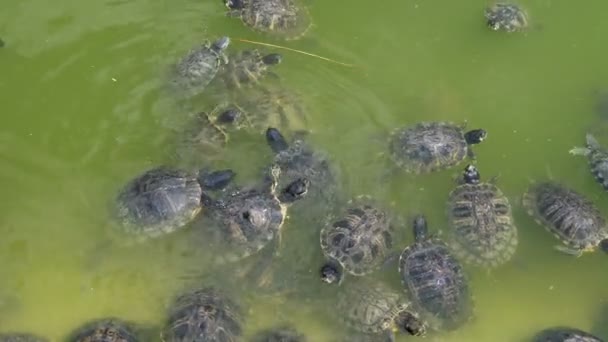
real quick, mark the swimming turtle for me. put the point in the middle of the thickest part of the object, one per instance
(247, 67)
(245, 220)
(565, 334)
(106, 330)
(284, 333)
(481, 221)
(598, 159)
(198, 68)
(568, 215)
(203, 315)
(282, 18)
(431, 146)
(372, 308)
(21, 337)
(358, 241)
(508, 17)
(164, 199)
(435, 280)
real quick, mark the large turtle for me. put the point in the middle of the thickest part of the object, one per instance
(598, 159)
(284, 333)
(283, 18)
(435, 280)
(568, 215)
(481, 221)
(21, 337)
(164, 199)
(372, 308)
(198, 68)
(358, 241)
(431, 146)
(203, 315)
(565, 334)
(508, 17)
(247, 67)
(106, 330)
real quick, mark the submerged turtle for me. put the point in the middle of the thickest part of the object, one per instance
(203, 315)
(506, 16)
(199, 67)
(435, 280)
(247, 67)
(106, 330)
(358, 241)
(565, 334)
(481, 222)
(372, 308)
(432, 146)
(284, 18)
(163, 200)
(570, 216)
(598, 159)
(280, 334)
(248, 219)
(21, 337)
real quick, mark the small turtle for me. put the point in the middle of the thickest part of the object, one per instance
(199, 67)
(280, 334)
(247, 67)
(106, 330)
(358, 241)
(506, 16)
(21, 337)
(568, 215)
(372, 308)
(163, 199)
(203, 315)
(284, 18)
(481, 222)
(435, 280)
(565, 334)
(598, 159)
(431, 146)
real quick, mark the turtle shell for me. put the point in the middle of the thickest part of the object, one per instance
(282, 18)
(481, 224)
(105, 330)
(159, 201)
(565, 334)
(598, 160)
(245, 67)
(436, 283)
(204, 138)
(507, 17)
(570, 216)
(203, 315)
(21, 337)
(359, 238)
(428, 146)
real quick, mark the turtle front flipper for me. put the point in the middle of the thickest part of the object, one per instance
(570, 251)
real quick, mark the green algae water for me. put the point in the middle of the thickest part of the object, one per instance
(84, 110)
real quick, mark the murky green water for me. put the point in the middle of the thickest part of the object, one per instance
(84, 110)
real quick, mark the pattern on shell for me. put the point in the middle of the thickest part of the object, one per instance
(481, 224)
(565, 213)
(203, 315)
(204, 138)
(21, 337)
(565, 334)
(507, 17)
(360, 238)
(284, 18)
(246, 67)
(105, 330)
(428, 146)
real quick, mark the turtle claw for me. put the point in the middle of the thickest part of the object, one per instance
(570, 251)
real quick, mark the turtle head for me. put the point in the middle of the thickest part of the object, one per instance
(295, 190)
(272, 59)
(410, 324)
(235, 4)
(475, 136)
(221, 44)
(420, 228)
(471, 175)
(229, 116)
(215, 180)
(331, 273)
(604, 245)
(276, 140)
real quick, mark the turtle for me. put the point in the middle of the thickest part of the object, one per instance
(508, 17)
(21, 337)
(565, 334)
(282, 18)
(568, 215)
(201, 315)
(435, 280)
(245, 219)
(598, 159)
(247, 67)
(481, 221)
(283, 333)
(164, 199)
(432, 145)
(199, 67)
(110, 329)
(357, 241)
(370, 307)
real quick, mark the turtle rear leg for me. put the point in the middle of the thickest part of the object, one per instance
(567, 250)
